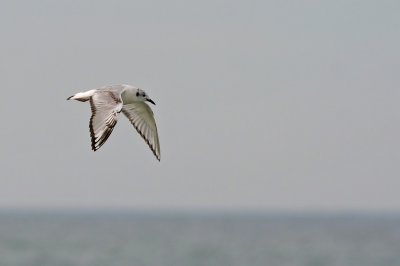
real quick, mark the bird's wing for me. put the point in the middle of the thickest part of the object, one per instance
(142, 118)
(105, 105)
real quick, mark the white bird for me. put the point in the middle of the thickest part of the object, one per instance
(108, 101)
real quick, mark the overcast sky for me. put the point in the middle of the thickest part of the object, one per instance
(261, 105)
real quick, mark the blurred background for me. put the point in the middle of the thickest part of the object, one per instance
(278, 123)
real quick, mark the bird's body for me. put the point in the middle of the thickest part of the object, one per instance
(108, 101)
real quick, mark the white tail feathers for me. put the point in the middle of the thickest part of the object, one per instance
(82, 96)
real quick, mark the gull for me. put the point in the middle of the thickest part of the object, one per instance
(107, 102)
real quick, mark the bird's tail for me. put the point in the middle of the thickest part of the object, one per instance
(82, 96)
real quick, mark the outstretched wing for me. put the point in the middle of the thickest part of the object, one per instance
(105, 105)
(142, 118)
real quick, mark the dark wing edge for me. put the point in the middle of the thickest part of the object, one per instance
(99, 135)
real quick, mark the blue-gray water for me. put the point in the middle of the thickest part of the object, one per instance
(193, 239)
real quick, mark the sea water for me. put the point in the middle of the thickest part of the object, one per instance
(128, 238)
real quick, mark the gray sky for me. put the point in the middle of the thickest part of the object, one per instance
(269, 105)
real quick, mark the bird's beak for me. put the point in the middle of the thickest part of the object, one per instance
(150, 100)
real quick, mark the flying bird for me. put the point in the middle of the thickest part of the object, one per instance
(107, 102)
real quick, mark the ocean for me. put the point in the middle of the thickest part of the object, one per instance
(129, 238)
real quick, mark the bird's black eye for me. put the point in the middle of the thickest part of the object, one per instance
(137, 94)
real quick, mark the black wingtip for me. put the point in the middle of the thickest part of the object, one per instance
(69, 98)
